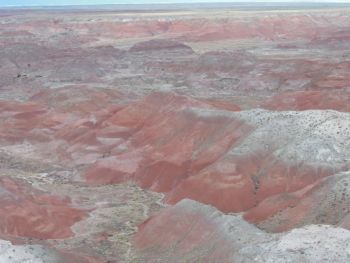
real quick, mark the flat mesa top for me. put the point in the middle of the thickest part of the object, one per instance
(169, 11)
(242, 6)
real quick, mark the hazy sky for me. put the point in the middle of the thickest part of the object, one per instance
(81, 2)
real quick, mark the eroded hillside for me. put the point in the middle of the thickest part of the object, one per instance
(197, 136)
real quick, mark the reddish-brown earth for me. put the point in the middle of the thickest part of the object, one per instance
(247, 112)
(35, 215)
(308, 100)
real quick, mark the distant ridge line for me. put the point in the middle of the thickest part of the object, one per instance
(242, 6)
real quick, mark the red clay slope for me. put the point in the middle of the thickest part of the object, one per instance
(311, 99)
(25, 212)
(188, 148)
(184, 148)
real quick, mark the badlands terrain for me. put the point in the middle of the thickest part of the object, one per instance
(174, 136)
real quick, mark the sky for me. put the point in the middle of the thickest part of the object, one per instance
(91, 2)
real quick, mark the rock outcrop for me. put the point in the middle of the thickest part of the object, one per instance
(192, 232)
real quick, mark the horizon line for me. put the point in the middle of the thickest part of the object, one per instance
(181, 3)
